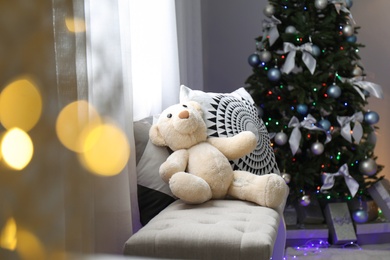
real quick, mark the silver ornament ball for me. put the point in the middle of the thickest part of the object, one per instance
(371, 138)
(281, 138)
(348, 30)
(290, 29)
(368, 167)
(305, 200)
(286, 177)
(357, 71)
(317, 148)
(265, 56)
(269, 10)
(321, 4)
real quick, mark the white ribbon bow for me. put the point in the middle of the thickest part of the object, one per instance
(328, 180)
(270, 29)
(358, 83)
(345, 123)
(340, 6)
(307, 57)
(296, 135)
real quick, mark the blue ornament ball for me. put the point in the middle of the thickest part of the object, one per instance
(274, 74)
(334, 91)
(349, 3)
(324, 124)
(371, 117)
(254, 60)
(352, 38)
(260, 111)
(360, 216)
(315, 51)
(302, 109)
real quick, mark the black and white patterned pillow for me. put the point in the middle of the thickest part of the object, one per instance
(227, 114)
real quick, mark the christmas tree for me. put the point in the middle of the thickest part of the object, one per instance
(309, 84)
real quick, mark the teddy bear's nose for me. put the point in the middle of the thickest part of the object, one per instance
(184, 114)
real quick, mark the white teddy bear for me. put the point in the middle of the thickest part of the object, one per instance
(199, 170)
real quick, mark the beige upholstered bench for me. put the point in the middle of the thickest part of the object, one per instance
(217, 229)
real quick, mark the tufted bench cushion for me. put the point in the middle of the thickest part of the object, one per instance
(217, 229)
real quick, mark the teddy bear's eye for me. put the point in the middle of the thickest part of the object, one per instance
(169, 115)
(184, 105)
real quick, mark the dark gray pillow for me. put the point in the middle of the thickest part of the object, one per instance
(153, 193)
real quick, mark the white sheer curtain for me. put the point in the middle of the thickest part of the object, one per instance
(133, 72)
(154, 56)
(81, 50)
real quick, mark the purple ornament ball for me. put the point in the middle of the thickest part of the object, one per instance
(360, 216)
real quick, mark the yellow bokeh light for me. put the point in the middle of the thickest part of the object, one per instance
(20, 105)
(17, 148)
(75, 25)
(107, 150)
(29, 246)
(73, 120)
(8, 238)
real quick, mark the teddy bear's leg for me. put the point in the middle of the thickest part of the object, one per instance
(176, 162)
(190, 188)
(266, 190)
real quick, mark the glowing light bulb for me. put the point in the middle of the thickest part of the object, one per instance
(75, 25)
(73, 120)
(106, 150)
(17, 148)
(20, 105)
(8, 238)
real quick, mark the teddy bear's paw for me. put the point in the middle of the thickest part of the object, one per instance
(275, 190)
(190, 188)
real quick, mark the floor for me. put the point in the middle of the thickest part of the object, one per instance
(354, 252)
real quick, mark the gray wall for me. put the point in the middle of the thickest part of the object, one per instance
(230, 26)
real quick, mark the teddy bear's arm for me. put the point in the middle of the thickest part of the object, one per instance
(176, 162)
(236, 146)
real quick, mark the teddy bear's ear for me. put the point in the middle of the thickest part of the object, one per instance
(196, 105)
(155, 136)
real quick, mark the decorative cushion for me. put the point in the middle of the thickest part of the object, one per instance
(227, 114)
(216, 229)
(153, 193)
